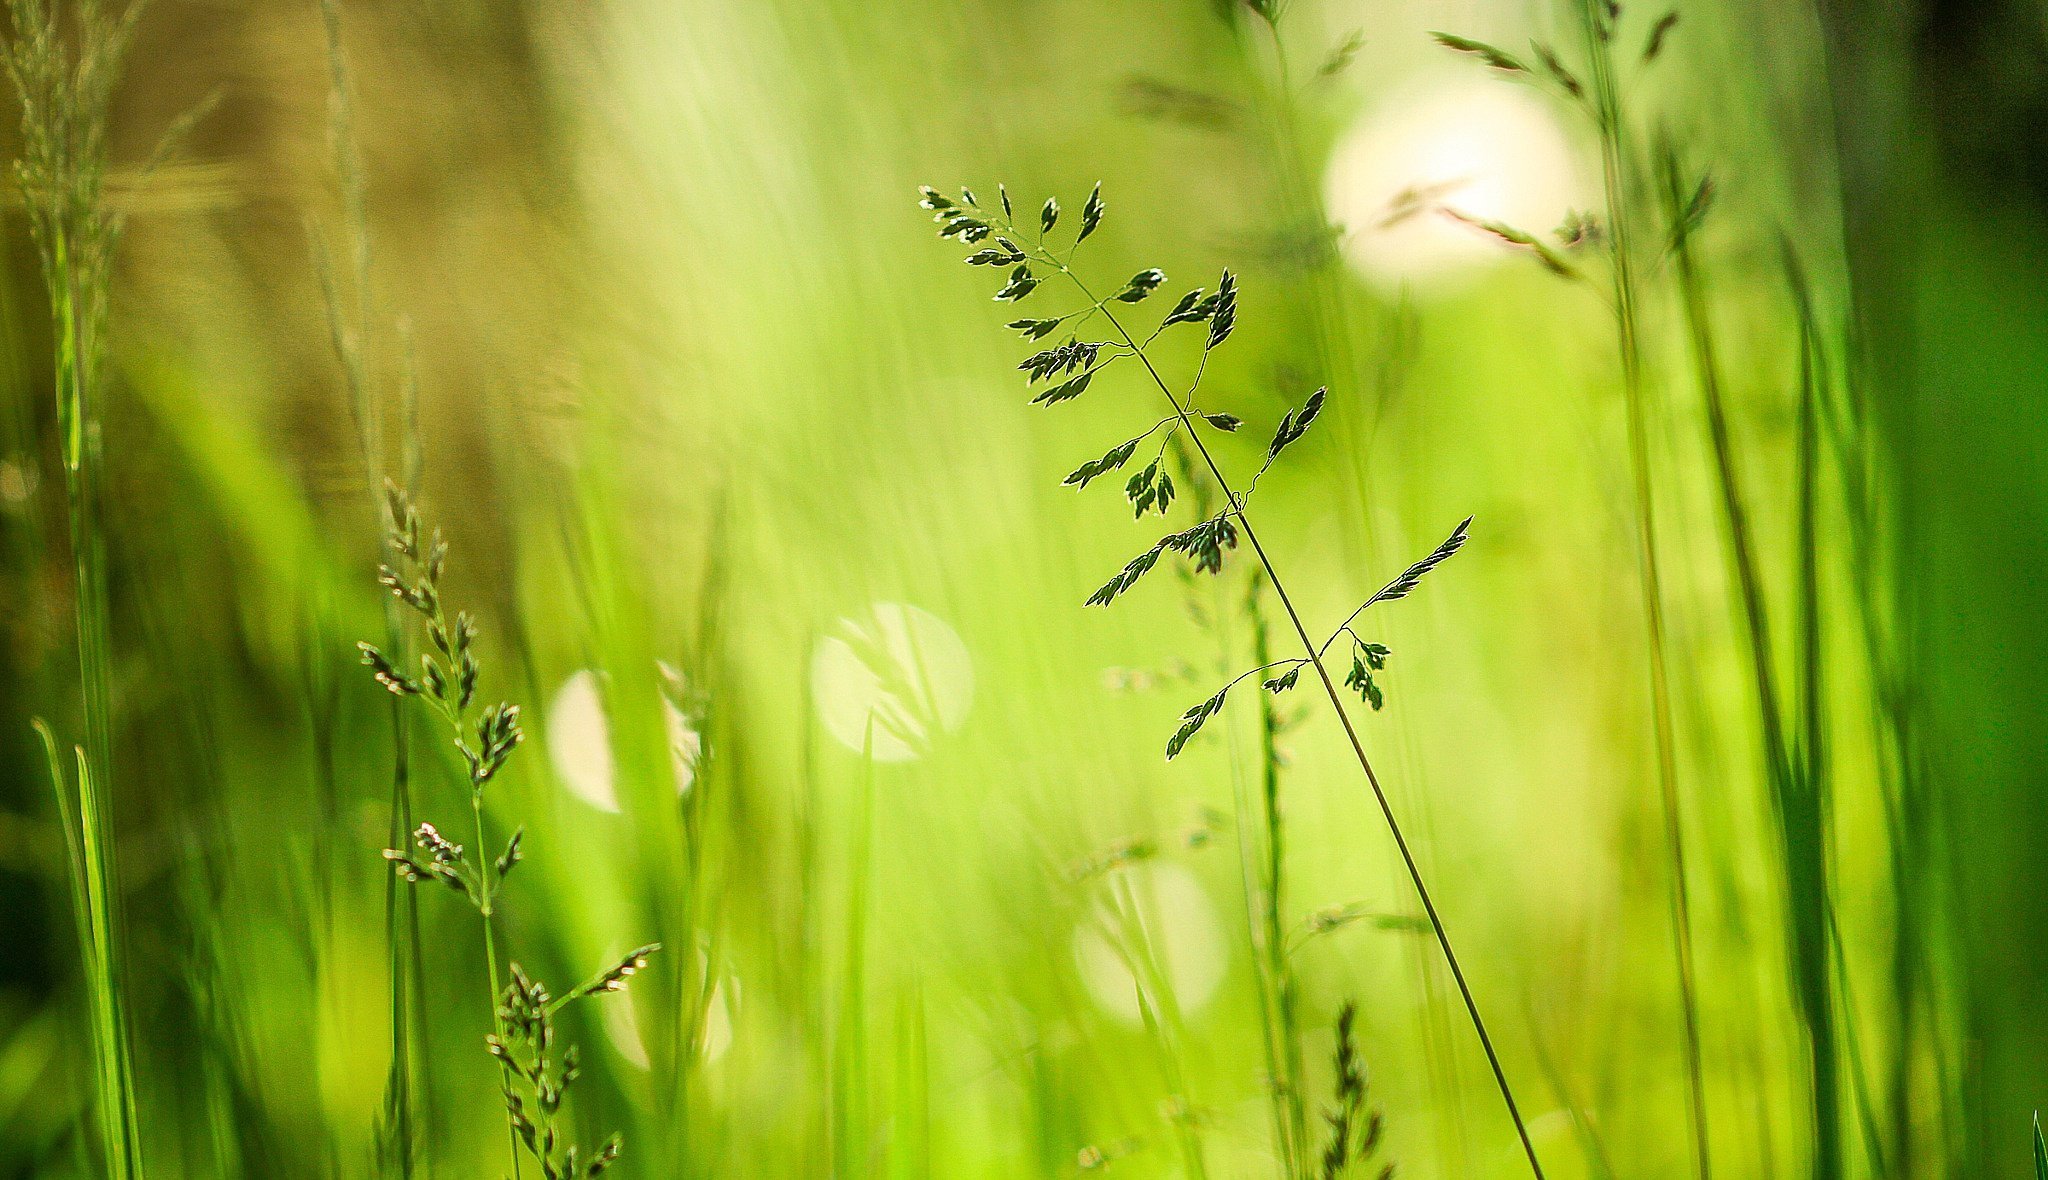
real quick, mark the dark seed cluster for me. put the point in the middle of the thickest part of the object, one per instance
(1070, 368)
(534, 1079)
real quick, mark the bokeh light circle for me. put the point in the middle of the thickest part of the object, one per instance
(899, 665)
(580, 741)
(1181, 926)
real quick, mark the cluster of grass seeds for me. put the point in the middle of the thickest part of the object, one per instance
(535, 1079)
(1352, 1124)
(1028, 256)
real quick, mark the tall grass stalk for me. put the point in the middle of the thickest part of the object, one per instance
(533, 1080)
(63, 65)
(1596, 24)
(1205, 543)
(1798, 789)
(850, 1108)
(1158, 1008)
(1600, 96)
(1909, 822)
(93, 887)
(406, 1080)
(1261, 844)
(1283, 991)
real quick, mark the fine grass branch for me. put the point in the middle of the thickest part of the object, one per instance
(1029, 257)
(534, 1079)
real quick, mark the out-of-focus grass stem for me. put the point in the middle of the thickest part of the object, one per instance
(405, 1082)
(63, 63)
(1799, 803)
(1614, 169)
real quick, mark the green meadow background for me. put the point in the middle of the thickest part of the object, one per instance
(731, 456)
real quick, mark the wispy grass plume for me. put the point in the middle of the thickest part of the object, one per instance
(1026, 252)
(406, 1080)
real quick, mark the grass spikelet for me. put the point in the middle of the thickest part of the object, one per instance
(534, 1079)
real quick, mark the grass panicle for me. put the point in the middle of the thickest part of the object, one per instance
(444, 681)
(1030, 257)
(1353, 1126)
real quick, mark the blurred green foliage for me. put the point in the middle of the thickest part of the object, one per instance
(733, 458)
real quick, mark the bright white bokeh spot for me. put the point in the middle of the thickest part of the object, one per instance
(1181, 927)
(1488, 150)
(580, 740)
(622, 1026)
(900, 665)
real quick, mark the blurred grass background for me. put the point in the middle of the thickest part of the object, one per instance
(701, 404)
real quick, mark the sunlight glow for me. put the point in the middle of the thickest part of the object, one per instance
(1483, 148)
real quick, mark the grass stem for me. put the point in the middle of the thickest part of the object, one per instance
(1315, 660)
(1614, 152)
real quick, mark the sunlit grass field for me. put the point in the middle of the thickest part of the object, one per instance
(544, 633)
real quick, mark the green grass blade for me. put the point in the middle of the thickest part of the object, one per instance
(86, 839)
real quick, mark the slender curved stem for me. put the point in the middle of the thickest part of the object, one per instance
(1315, 659)
(486, 905)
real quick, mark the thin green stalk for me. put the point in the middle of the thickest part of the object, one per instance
(1254, 839)
(1800, 804)
(1260, 863)
(486, 910)
(405, 1081)
(850, 1110)
(1314, 659)
(63, 66)
(1813, 713)
(96, 760)
(1160, 1011)
(1859, 1087)
(92, 886)
(1279, 966)
(911, 1140)
(1899, 782)
(1613, 156)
